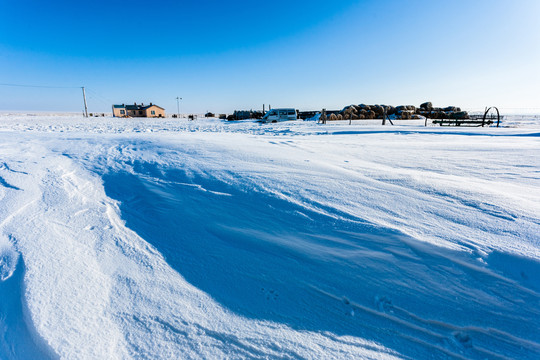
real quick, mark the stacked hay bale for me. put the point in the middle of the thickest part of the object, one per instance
(364, 107)
(451, 109)
(390, 110)
(363, 111)
(404, 112)
(349, 112)
(450, 112)
(378, 110)
(427, 106)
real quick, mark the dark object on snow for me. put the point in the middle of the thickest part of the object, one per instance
(451, 109)
(462, 122)
(257, 115)
(459, 115)
(390, 110)
(245, 115)
(462, 118)
(378, 110)
(401, 108)
(307, 114)
(241, 114)
(209, 115)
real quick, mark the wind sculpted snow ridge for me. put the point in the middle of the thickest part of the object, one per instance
(94, 289)
(267, 243)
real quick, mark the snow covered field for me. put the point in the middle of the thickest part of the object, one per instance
(174, 239)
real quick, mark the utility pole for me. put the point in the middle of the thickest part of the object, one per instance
(178, 105)
(85, 107)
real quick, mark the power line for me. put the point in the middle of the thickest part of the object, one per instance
(42, 86)
(52, 87)
(97, 96)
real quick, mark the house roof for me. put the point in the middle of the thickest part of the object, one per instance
(136, 107)
(149, 106)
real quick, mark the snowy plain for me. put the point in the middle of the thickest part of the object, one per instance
(165, 238)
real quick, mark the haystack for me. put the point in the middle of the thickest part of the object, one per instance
(370, 114)
(427, 106)
(379, 110)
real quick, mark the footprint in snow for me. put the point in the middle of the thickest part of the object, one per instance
(270, 294)
(383, 303)
(463, 338)
(347, 302)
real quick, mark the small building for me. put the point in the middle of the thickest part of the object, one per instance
(136, 110)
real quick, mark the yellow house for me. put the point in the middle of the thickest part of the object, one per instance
(153, 111)
(119, 111)
(138, 110)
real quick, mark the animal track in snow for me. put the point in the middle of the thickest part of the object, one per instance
(270, 294)
(463, 339)
(383, 303)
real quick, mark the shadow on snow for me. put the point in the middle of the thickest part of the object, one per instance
(266, 258)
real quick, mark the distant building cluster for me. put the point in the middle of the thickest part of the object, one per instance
(135, 110)
(447, 116)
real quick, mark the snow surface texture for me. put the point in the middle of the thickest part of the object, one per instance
(206, 239)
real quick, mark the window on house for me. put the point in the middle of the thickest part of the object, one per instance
(122, 112)
(153, 112)
(140, 112)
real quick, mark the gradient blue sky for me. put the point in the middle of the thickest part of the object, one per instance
(226, 55)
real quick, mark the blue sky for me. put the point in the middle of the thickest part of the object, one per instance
(221, 56)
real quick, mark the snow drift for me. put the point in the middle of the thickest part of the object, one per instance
(165, 239)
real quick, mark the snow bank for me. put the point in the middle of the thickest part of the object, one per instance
(165, 239)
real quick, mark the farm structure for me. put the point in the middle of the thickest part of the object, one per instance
(135, 110)
(447, 116)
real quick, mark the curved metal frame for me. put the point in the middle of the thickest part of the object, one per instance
(486, 113)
